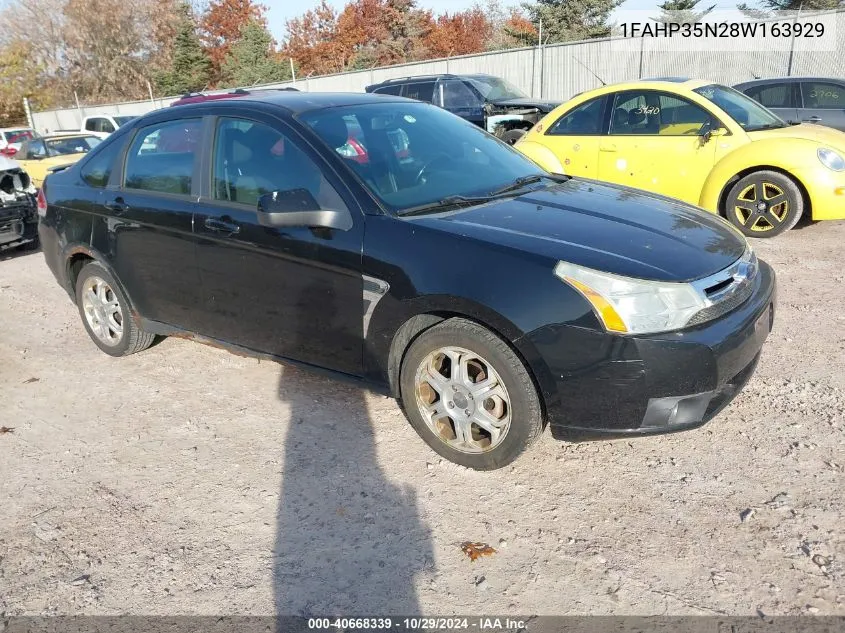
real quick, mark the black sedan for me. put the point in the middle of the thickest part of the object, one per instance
(490, 297)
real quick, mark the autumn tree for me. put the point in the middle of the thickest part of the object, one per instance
(252, 60)
(314, 42)
(189, 68)
(17, 80)
(461, 33)
(221, 27)
(568, 20)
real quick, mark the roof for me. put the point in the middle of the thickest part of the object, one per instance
(772, 80)
(397, 80)
(73, 134)
(298, 102)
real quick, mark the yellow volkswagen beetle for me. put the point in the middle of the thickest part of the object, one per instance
(38, 155)
(702, 143)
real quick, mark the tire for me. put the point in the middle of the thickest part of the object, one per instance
(512, 136)
(511, 401)
(109, 308)
(744, 210)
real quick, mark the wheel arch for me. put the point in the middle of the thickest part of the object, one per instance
(723, 194)
(77, 256)
(414, 326)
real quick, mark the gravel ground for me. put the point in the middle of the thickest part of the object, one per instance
(187, 480)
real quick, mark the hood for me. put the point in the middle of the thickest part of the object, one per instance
(806, 131)
(605, 227)
(544, 106)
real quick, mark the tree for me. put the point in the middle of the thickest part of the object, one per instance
(189, 69)
(682, 11)
(221, 27)
(765, 6)
(315, 43)
(18, 79)
(252, 60)
(461, 33)
(568, 20)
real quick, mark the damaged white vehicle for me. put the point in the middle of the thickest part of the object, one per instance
(18, 216)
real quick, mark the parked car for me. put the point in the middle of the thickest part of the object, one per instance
(801, 99)
(103, 124)
(18, 220)
(488, 295)
(39, 155)
(702, 143)
(489, 102)
(11, 139)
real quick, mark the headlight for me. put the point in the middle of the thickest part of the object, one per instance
(830, 159)
(633, 306)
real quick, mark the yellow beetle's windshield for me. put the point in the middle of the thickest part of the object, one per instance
(749, 114)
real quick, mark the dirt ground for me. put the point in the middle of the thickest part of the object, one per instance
(187, 480)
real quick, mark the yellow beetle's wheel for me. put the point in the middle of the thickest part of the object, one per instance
(764, 204)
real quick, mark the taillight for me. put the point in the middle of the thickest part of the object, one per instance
(41, 203)
(9, 151)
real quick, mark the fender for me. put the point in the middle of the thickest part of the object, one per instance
(754, 156)
(68, 254)
(541, 155)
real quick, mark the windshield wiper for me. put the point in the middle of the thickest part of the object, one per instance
(445, 203)
(519, 183)
(766, 126)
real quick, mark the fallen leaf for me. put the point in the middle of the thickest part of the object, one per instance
(6, 429)
(476, 550)
(29, 380)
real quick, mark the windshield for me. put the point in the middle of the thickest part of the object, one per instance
(414, 154)
(749, 114)
(71, 145)
(496, 89)
(122, 120)
(18, 136)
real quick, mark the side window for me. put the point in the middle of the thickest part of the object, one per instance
(106, 126)
(97, 170)
(585, 120)
(773, 95)
(656, 114)
(91, 125)
(161, 157)
(454, 94)
(252, 159)
(392, 89)
(823, 96)
(35, 150)
(421, 91)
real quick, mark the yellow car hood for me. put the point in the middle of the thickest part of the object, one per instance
(806, 131)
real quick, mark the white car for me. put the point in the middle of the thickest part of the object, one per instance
(12, 137)
(104, 124)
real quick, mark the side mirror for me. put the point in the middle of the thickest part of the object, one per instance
(298, 208)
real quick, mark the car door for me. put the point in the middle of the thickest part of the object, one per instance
(782, 98)
(823, 103)
(576, 136)
(655, 143)
(289, 292)
(150, 231)
(460, 99)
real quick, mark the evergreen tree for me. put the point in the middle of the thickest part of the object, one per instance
(252, 60)
(682, 11)
(568, 20)
(190, 69)
(764, 6)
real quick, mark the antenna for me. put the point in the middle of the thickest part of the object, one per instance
(589, 71)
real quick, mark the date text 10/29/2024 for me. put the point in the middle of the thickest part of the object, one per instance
(492, 624)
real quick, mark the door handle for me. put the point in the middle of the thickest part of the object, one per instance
(117, 206)
(609, 147)
(213, 224)
(813, 119)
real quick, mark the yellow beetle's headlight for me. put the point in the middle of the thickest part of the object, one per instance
(633, 306)
(830, 159)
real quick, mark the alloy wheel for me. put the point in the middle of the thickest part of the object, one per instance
(762, 206)
(102, 310)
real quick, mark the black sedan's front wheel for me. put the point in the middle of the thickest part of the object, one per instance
(469, 396)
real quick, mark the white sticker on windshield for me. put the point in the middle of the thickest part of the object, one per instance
(409, 118)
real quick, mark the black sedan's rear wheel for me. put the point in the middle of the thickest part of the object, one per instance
(764, 204)
(469, 396)
(105, 313)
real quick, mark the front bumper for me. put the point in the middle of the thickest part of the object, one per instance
(18, 223)
(620, 386)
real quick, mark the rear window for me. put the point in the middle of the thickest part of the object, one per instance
(161, 157)
(19, 136)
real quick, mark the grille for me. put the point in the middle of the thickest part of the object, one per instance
(731, 302)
